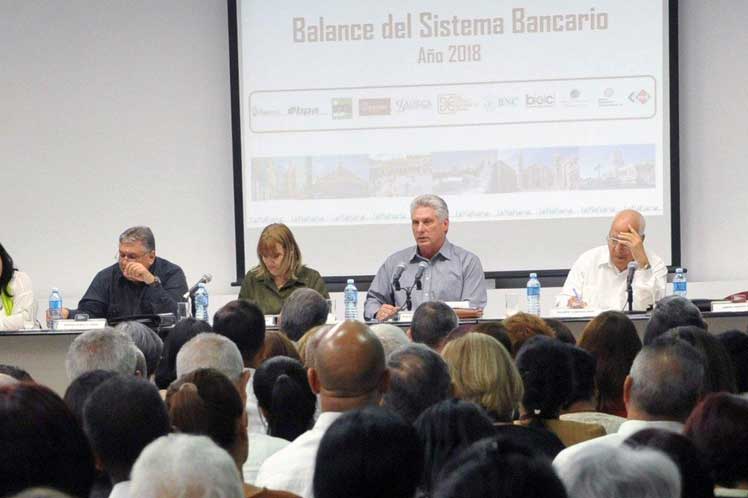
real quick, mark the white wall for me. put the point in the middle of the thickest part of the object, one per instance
(116, 113)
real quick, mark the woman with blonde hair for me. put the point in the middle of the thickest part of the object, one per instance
(279, 272)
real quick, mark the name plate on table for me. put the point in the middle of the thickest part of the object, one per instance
(574, 312)
(729, 306)
(90, 324)
(405, 316)
(458, 305)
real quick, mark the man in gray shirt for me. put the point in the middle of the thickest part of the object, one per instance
(451, 273)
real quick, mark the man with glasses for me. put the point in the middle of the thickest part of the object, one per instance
(139, 283)
(598, 278)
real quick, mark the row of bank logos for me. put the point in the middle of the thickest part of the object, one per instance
(454, 103)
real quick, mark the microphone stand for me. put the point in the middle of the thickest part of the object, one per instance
(630, 297)
(408, 291)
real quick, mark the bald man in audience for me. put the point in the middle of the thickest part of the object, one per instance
(349, 372)
(598, 278)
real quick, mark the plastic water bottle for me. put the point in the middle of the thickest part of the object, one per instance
(533, 295)
(680, 283)
(55, 307)
(201, 303)
(350, 296)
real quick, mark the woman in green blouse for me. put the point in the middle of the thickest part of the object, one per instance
(280, 271)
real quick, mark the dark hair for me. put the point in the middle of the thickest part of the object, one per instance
(432, 323)
(583, 367)
(17, 373)
(277, 344)
(612, 338)
(671, 312)
(81, 388)
(736, 344)
(539, 439)
(695, 478)
(495, 330)
(445, 429)
(561, 331)
(419, 377)
(368, 453)
(283, 392)
(243, 323)
(183, 331)
(718, 426)
(205, 402)
(42, 444)
(545, 366)
(121, 417)
(7, 274)
(499, 467)
(146, 340)
(304, 309)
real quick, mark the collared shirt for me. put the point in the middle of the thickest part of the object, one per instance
(453, 274)
(292, 468)
(111, 295)
(269, 298)
(602, 286)
(120, 490)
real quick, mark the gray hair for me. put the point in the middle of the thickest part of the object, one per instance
(185, 465)
(139, 234)
(620, 471)
(419, 378)
(7, 380)
(147, 341)
(209, 350)
(304, 309)
(667, 379)
(432, 323)
(41, 493)
(671, 312)
(434, 202)
(141, 365)
(391, 337)
(104, 349)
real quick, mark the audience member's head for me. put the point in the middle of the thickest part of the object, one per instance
(183, 331)
(666, 381)
(583, 369)
(17, 373)
(718, 426)
(522, 326)
(308, 343)
(391, 337)
(42, 443)
(284, 397)
(612, 338)
(620, 471)
(121, 417)
(499, 467)
(736, 344)
(696, 482)
(432, 323)
(495, 330)
(205, 402)
(349, 369)
(419, 377)
(81, 388)
(545, 365)
(105, 349)
(561, 331)
(6, 380)
(209, 350)
(446, 429)
(671, 312)
(277, 344)
(243, 323)
(185, 466)
(368, 453)
(41, 493)
(483, 372)
(146, 340)
(141, 368)
(305, 308)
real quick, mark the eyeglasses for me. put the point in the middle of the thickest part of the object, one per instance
(130, 256)
(613, 241)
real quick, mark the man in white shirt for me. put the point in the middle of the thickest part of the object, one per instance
(665, 384)
(349, 372)
(598, 278)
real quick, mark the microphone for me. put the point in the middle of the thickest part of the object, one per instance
(396, 277)
(632, 267)
(203, 280)
(419, 273)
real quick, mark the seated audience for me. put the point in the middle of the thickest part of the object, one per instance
(277, 344)
(432, 322)
(183, 331)
(308, 342)
(197, 468)
(391, 337)
(545, 365)
(671, 312)
(304, 309)
(561, 331)
(42, 443)
(105, 349)
(419, 378)
(736, 344)
(209, 350)
(445, 429)
(484, 373)
(495, 330)
(522, 326)
(620, 472)
(612, 338)
(356, 457)
(718, 426)
(147, 341)
(17, 303)
(17, 373)
(121, 417)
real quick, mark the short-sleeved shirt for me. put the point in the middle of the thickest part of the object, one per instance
(269, 298)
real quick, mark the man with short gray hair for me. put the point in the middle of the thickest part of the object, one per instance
(139, 283)
(448, 272)
(303, 310)
(105, 349)
(209, 350)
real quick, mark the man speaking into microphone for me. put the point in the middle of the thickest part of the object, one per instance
(445, 271)
(599, 278)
